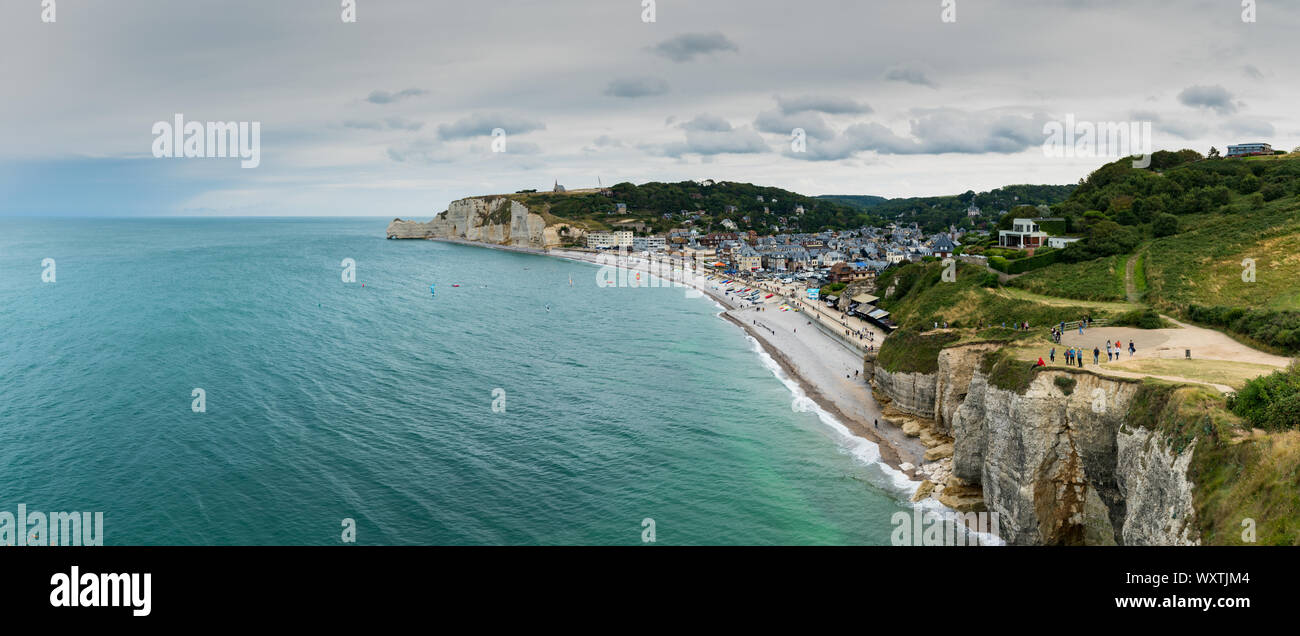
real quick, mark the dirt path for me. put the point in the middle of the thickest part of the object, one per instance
(1130, 287)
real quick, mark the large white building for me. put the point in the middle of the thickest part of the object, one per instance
(649, 243)
(609, 240)
(601, 240)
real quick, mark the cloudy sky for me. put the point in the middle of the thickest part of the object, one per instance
(392, 115)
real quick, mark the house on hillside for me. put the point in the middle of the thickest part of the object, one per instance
(1026, 234)
(1247, 150)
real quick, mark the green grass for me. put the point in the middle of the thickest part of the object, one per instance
(1203, 265)
(1100, 279)
(1004, 371)
(910, 351)
(1252, 478)
(922, 299)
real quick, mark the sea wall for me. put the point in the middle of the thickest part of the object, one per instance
(1054, 460)
(495, 220)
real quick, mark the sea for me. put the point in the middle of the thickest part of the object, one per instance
(223, 381)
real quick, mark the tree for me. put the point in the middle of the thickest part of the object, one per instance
(1164, 225)
(1248, 184)
(1273, 191)
(1214, 152)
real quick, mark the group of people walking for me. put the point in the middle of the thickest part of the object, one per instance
(1074, 356)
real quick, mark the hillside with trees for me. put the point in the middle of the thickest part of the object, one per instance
(663, 206)
(935, 214)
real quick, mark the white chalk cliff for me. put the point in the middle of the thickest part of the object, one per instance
(496, 220)
(1059, 469)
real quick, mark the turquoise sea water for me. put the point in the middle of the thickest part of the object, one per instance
(327, 400)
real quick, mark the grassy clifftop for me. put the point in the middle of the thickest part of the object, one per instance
(918, 296)
(1245, 482)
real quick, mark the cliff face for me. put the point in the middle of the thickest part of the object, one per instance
(1059, 469)
(495, 220)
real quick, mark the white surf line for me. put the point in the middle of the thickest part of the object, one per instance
(884, 477)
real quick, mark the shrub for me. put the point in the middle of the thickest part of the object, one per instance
(1164, 225)
(1247, 184)
(1273, 191)
(1140, 318)
(1271, 402)
(833, 288)
(1065, 383)
(1020, 266)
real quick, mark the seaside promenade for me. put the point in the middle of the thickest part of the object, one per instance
(852, 330)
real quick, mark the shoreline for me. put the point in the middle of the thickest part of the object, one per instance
(894, 448)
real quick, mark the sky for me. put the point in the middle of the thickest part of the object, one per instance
(392, 115)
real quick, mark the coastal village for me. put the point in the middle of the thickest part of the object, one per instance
(848, 259)
(947, 406)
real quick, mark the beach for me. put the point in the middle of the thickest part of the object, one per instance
(827, 368)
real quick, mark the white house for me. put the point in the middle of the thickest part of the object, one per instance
(1024, 234)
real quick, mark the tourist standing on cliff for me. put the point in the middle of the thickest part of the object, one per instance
(1052, 355)
(1096, 355)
